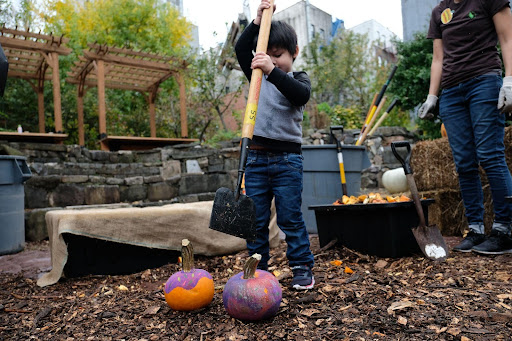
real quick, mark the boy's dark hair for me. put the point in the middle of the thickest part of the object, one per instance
(282, 35)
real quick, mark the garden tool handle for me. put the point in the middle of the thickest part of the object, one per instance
(405, 163)
(334, 138)
(254, 95)
(410, 177)
(257, 74)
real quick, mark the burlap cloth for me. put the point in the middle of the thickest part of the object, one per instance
(161, 227)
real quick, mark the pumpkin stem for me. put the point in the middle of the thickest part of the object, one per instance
(187, 255)
(250, 266)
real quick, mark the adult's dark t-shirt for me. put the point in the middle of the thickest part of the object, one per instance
(469, 38)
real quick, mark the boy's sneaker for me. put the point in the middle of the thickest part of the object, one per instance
(302, 278)
(471, 240)
(498, 243)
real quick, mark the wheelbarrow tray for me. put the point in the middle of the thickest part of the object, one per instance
(383, 230)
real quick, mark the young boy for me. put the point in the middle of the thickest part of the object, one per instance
(274, 164)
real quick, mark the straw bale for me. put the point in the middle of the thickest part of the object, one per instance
(448, 211)
(433, 166)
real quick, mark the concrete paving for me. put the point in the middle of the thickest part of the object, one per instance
(28, 263)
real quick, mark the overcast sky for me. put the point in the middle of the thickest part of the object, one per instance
(212, 16)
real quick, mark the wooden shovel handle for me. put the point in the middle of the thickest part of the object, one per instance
(257, 74)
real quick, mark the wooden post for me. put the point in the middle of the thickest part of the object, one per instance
(80, 111)
(40, 110)
(100, 70)
(54, 57)
(183, 107)
(152, 114)
(152, 119)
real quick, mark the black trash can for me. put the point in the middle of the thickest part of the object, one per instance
(13, 172)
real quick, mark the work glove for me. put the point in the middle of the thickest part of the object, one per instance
(426, 111)
(505, 99)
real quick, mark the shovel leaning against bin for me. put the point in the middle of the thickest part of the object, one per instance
(340, 157)
(429, 238)
(234, 213)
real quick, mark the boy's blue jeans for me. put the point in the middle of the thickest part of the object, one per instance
(475, 130)
(278, 175)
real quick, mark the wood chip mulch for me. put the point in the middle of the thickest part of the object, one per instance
(357, 297)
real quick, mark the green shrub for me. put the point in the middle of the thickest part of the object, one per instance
(349, 118)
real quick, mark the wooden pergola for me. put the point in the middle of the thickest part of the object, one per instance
(30, 57)
(104, 66)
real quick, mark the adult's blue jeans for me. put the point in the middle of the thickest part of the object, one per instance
(279, 175)
(475, 130)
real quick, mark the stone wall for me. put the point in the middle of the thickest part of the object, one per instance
(72, 176)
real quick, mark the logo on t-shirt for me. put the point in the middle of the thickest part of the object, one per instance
(447, 16)
(471, 15)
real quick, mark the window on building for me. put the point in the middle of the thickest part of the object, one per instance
(322, 34)
(312, 31)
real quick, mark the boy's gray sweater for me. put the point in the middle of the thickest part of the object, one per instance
(277, 118)
(282, 99)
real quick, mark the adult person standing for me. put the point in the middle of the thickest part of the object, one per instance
(466, 65)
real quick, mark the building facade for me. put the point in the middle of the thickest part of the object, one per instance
(308, 21)
(416, 16)
(380, 39)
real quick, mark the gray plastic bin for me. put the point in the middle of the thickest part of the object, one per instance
(322, 182)
(13, 172)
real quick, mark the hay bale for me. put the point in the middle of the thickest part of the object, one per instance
(448, 211)
(433, 165)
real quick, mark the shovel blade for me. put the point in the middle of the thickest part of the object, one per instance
(234, 217)
(431, 242)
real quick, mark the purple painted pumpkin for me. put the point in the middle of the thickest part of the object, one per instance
(189, 289)
(253, 294)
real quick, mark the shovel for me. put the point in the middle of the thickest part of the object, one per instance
(340, 157)
(429, 238)
(234, 213)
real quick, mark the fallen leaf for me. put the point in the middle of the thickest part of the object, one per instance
(152, 310)
(348, 270)
(399, 306)
(328, 288)
(381, 264)
(437, 329)
(310, 312)
(336, 262)
(276, 273)
(463, 338)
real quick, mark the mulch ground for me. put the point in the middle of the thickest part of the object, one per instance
(357, 297)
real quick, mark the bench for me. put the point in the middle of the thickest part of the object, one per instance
(110, 240)
(114, 143)
(33, 137)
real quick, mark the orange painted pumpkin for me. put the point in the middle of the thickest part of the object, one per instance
(189, 289)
